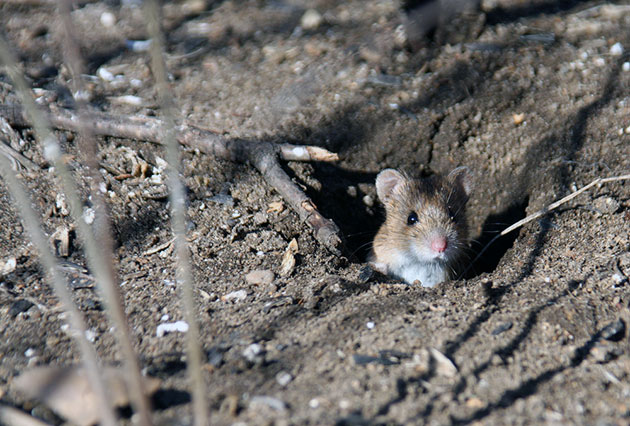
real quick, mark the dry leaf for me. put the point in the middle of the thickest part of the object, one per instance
(518, 118)
(288, 259)
(275, 207)
(67, 390)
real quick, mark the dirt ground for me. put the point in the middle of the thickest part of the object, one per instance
(532, 96)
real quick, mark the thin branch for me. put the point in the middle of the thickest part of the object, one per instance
(262, 155)
(543, 212)
(178, 216)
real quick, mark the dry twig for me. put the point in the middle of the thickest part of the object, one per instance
(543, 212)
(262, 155)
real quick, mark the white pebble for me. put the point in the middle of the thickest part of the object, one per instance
(311, 19)
(160, 163)
(313, 403)
(108, 19)
(235, 296)
(90, 335)
(616, 49)
(269, 401)
(252, 352)
(283, 378)
(168, 327)
(29, 352)
(136, 83)
(88, 215)
(600, 62)
(165, 317)
(139, 45)
(627, 130)
(129, 100)
(370, 325)
(618, 278)
(105, 74)
(626, 66)
(9, 265)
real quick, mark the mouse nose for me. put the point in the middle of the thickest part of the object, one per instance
(439, 244)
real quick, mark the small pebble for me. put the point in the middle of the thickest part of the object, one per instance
(164, 328)
(365, 274)
(370, 325)
(19, 306)
(283, 378)
(90, 335)
(606, 205)
(314, 403)
(138, 45)
(254, 353)
(260, 277)
(9, 265)
(128, 100)
(626, 66)
(108, 19)
(444, 366)
(105, 74)
(29, 352)
(235, 296)
(616, 49)
(311, 19)
(368, 200)
(269, 401)
(224, 199)
(215, 356)
(88, 215)
(502, 328)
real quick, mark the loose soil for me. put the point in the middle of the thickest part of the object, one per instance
(532, 96)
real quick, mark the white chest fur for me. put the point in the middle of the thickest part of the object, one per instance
(428, 273)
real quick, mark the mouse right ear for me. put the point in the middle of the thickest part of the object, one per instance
(386, 182)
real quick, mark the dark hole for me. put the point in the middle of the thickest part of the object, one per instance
(493, 225)
(165, 398)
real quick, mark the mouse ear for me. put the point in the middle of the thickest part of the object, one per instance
(461, 178)
(386, 182)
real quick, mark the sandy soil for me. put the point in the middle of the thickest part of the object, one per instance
(534, 99)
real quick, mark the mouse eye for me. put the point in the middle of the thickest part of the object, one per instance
(412, 218)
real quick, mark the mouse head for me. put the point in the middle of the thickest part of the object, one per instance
(426, 216)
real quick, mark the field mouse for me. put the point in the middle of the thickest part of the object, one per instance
(425, 229)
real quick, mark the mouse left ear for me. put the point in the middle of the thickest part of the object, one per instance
(461, 178)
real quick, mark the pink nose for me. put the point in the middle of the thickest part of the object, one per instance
(439, 244)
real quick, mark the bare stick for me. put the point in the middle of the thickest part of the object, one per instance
(263, 155)
(101, 228)
(543, 212)
(178, 216)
